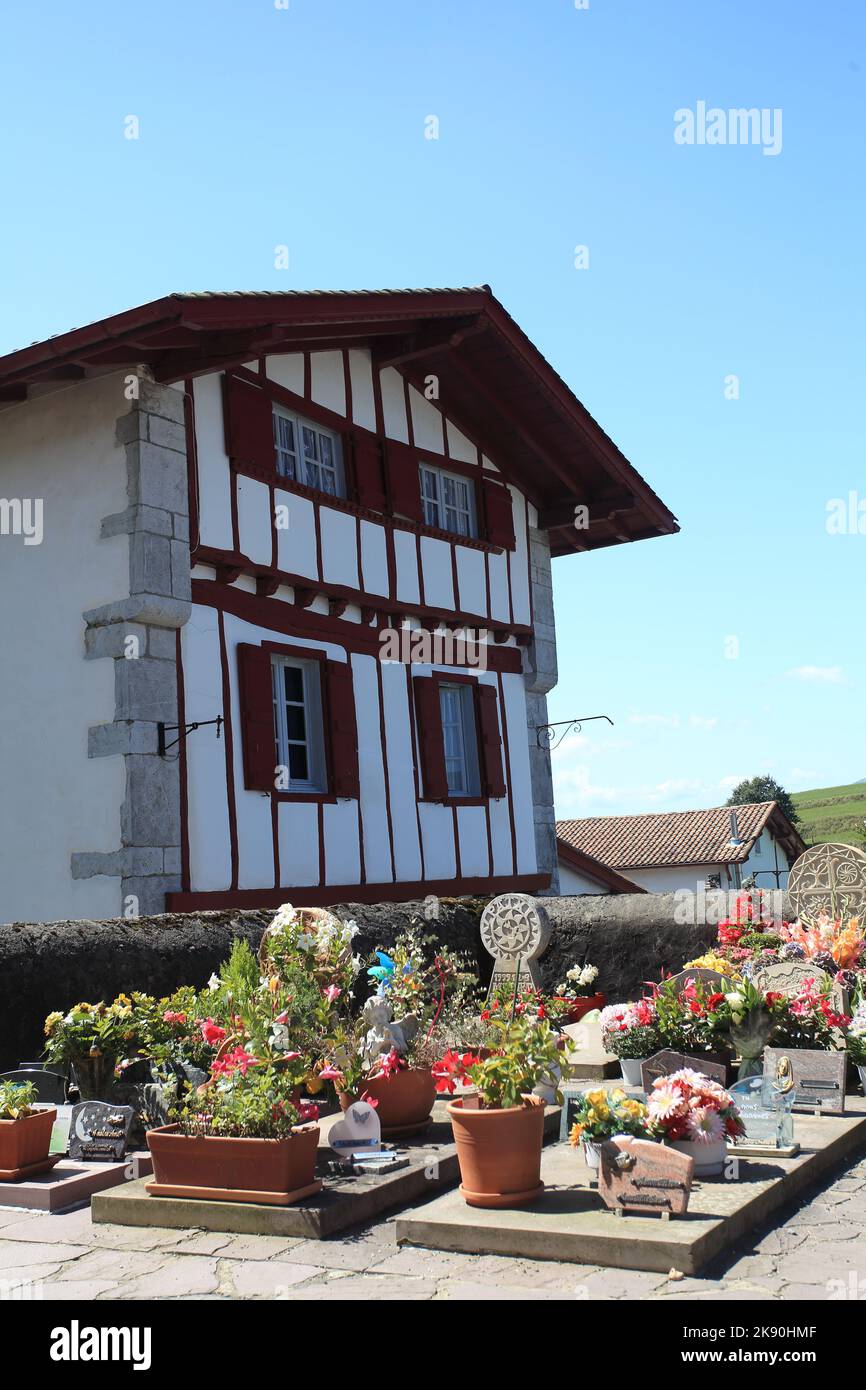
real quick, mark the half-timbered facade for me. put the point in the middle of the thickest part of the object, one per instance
(310, 538)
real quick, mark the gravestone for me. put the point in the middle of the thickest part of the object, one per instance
(793, 977)
(765, 1107)
(99, 1132)
(641, 1176)
(818, 1077)
(828, 878)
(515, 930)
(666, 1062)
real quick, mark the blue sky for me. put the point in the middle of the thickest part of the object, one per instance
(304, 126)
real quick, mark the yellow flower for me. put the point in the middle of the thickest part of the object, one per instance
(598, 1097)
(51, 1023)
(574, 1136)
(314, 1084)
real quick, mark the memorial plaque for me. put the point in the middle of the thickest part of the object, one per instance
(818, 1077)
(99, 1132)
(641, 1176)
(666, 1062)
(828, 878)
(793, 977)
(358, 1132)
(515, 930)
(765, 1104)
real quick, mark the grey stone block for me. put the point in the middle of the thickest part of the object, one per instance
(105, 740)
(181, 527)
(161, 643)
(138, 519)
(158, 610)
(150, 892)
(156, 477)
(172, 859)
(150, 564)
(157, 399)
(116, 640)
(145, 690)
(181, 572)
(166, 433)
(151, 811)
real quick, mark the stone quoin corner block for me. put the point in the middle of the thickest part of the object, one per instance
(540, 675)
(138, 631)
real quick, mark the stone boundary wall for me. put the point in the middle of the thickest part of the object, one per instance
(46, 966)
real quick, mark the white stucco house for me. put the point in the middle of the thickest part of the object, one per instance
(669, 850)
(275, 594)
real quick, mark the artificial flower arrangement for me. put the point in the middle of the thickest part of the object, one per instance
(601, 1115)
(92, 1038)
(578, 982)
(632, 1033)
(696, 1115)
(499, 1129)
(710, 960)
(832, 945)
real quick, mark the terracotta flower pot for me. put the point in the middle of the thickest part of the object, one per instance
(271, 1171)
(499, 1152)
(404, 1100)
(25, 1144)
(579, 1007)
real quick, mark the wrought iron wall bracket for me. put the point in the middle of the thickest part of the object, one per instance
(546, 736)
(182, 730)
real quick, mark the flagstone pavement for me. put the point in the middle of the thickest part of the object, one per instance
(816, 1252)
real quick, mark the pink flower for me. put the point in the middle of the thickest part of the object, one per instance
(332, 993)
(330, 1073)
(308, 1111)
(705, 1125)
(212, 1033)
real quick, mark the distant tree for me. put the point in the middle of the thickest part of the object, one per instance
(763, 789)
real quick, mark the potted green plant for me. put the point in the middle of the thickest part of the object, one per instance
(601, 1115)
(500, 1129)
(25, 1131)
(239, 1138)
(91, 1038)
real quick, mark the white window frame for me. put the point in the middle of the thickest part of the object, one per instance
(292, 463)
(314, 731)
(436, 504)
(462, 769)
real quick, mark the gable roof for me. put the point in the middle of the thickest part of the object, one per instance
(583, 863)
(495, 382)
(680, 838)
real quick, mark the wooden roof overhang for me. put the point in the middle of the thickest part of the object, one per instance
(493, 382)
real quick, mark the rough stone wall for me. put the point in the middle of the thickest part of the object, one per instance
(540, 675)
(632, 938)
(138, 632)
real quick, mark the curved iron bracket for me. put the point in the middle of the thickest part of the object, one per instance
(546, 737)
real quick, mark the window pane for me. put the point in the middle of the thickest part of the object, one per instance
(296, 722)
(297, 762)
(294, 678)
(326, 451)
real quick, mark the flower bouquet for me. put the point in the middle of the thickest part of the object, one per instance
(91, 1038)
(602, 1115)
(696, 1116)
(631, 1033)
(576, 993)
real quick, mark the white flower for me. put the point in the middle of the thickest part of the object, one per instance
(213, 983)
(306, 941)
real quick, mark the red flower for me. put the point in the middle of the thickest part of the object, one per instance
(236, 1060)
(212, 1033)
(452, 1069)
(714, 1001)
(308, 1111)
(169, 1017)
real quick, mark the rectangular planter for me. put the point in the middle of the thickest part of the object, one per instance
(25, 1144)
(275, 1172)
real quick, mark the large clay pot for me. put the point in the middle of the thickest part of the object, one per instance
(272, 1171)
(403, 1101)
(579, 1007)
(499, 1152)
(25, 1144)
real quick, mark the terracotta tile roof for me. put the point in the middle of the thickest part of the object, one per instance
(676, 837)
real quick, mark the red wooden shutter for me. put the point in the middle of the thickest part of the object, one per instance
(500, 514)
(365, 454)
(431, 740)
(404, 482)
(249, 424)
(342, 729)
(492, 776)
(257, 717)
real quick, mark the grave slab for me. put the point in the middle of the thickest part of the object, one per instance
(569, 1222)
(343, 1202)
(71, 1182)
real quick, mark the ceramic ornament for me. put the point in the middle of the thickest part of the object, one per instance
(357, 1131)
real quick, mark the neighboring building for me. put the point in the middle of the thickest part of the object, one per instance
(579, 873)
(664, 851)
(246, 503)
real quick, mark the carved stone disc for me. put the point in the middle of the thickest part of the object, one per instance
(829, 878)
(515, 929)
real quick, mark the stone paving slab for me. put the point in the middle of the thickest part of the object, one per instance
(343, 1201)
(570, 1223)
(71, 1182)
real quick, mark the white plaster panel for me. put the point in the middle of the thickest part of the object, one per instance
(499, 607)
(521, 782)
(287, 370)
(361, 378)
(520, 561)
(296, 543)
(298, 836)
(374, 558)
(459, 447)
(438, 576)
(472, 830)
(407, 854)
(214, 470)
(406, 560)
(254, 519)
(342, 847)
(339, 547)
(394, 405)
(437, 832)
(472, 581)
(328, 381)
(207, 800)
(377, 851)
(426, 423)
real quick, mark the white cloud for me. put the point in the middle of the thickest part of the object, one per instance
(659, 721)
(702, 721)
(826, 675)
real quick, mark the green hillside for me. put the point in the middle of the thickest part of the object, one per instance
(832, 813)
